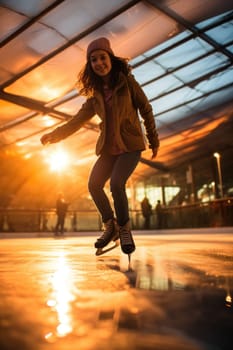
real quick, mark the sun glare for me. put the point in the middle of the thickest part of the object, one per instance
(58, 160)
(48, 121)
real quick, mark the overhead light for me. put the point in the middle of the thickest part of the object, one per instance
(216, 155)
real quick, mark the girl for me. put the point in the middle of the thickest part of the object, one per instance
(115, 96)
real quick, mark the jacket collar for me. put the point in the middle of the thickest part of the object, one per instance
(122, 80)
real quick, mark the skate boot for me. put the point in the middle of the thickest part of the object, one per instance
(110, 233)
(126, 239)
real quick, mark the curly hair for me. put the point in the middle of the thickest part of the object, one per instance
(88, 81)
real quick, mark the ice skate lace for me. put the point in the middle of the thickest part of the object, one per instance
(108, 229)
(126, 237)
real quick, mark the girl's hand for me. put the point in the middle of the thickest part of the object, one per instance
(154, 152)
(46, 138)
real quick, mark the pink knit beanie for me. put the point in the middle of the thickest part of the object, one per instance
(99, 44)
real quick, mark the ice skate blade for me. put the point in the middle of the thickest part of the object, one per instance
(101, 251)
(129, 260)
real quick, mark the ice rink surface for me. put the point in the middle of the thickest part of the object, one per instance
(175, 295)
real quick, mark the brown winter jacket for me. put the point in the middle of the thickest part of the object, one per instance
(128, 98)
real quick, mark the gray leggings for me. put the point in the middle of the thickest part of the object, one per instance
(118, 169)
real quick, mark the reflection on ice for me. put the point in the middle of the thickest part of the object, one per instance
(180, 268)
(61, 297)
(228, 300)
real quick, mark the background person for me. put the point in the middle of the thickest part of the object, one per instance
(146, 212)
(159, 214)
(61, 210)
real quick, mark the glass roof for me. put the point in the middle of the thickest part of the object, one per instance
(181, 54)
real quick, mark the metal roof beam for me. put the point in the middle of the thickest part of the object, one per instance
(192, 28)
(16, 122)
(154, 164)
(220, 21)
(193, 99)
(29, 23)
(193, 82)
(173, 70)
(36, 106)
(70, 43)
(27, 137)
(32, 104)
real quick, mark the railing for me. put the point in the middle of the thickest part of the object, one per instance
(216, 213)
(41, 220)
